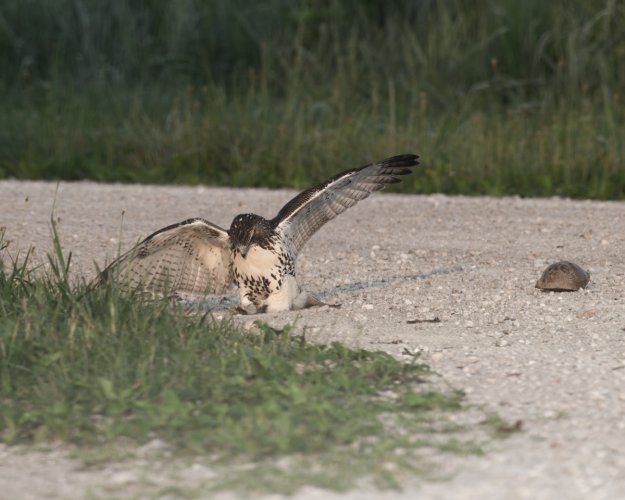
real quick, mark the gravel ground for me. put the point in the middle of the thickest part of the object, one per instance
(554, 361)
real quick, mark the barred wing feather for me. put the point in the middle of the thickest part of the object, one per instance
(301, 217)
(192, 256)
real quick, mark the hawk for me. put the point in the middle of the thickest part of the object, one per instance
(196, 256)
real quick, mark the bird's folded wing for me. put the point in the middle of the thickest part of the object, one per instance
(301, 217)
(192, 256)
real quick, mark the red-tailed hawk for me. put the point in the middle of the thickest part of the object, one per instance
(259, 255)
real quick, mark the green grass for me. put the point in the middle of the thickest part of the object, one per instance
(94, 369)
(498, 96)
(198, 137)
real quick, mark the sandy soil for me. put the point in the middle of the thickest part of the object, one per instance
(554, 361)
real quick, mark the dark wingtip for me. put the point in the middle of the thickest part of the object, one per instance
(403, 171)
(405, 160)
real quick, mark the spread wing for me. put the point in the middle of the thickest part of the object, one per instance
(192, 256)
(301, 217)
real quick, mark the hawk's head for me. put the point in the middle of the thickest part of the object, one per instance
(247, 230)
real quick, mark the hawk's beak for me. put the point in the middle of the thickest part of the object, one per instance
(246, 249)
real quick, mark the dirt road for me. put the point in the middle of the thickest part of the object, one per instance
(554, 361)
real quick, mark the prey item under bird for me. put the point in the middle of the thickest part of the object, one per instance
(198, 257)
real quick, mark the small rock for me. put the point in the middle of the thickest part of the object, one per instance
(122, 478)
(586, 314)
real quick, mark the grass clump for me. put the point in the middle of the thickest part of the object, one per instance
(93, 367)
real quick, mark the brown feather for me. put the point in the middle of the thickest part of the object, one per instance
(301, 217)
(192, 256)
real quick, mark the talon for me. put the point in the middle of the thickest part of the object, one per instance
(239, 310)
(250, 309)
